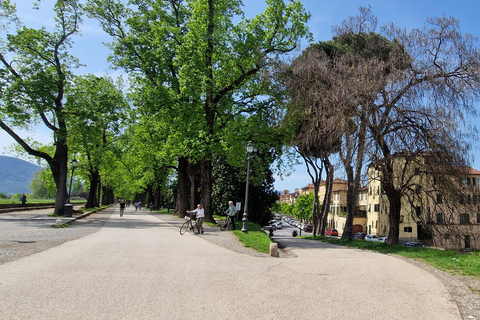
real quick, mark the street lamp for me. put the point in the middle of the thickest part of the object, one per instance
(74, 164)
(245, 209)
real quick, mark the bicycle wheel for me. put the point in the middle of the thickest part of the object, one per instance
(223, 225)
(194, 228)
(184, 227)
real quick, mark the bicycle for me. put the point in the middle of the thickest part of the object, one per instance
(189, 225)
(227, 223)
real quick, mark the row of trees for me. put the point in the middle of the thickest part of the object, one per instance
(194, 98)
(203, 80)
(367, 95)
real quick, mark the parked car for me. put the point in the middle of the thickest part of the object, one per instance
(382, 239)
(334, 233)
(371, 237)
(328, 232)
(308, 228)
(275, 223)
(413, 244)
(359, 235)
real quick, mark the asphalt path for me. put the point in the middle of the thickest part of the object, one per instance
(139, 267)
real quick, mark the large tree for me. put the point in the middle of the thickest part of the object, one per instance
(97, 107)
(200, 67)
(427, 82)
(35, 68)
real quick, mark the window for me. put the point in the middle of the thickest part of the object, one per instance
(417, 171)
(464, 218)
(440, 218)
(439, 198)
(447, 236)
(418, 189)
(418, 211)
(407, 229)
(377, 208)
(478, 217)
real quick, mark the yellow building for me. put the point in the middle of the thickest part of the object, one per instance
(445, 214)
(338, 211)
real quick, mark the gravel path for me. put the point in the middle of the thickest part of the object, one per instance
(23, 234)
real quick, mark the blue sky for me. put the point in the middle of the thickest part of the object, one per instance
(325, 14)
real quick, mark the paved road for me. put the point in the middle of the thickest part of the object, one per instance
(140, 267)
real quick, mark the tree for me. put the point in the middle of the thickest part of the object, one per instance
(200, 70)
(96, 106)
(35, 71)
(428, 82)
(39, 187)
(315, 119)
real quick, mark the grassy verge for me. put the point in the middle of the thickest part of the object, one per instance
(255, 238)
(451, 261)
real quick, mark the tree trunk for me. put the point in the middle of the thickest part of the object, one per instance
(329, 171)
(59, 168)
(93, 200)
(182, 196)
(316, 207)
(191, 176)
(206, 189)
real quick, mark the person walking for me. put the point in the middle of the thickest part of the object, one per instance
(23, 198)
(231, 211)
(122, 208)
(200, 217)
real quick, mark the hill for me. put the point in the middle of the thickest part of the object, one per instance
(15, 175)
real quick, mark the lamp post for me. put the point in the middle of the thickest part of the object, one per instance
(250, 147)
(74, 164)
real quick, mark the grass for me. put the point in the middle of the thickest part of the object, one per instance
(255, 238)
(451, 261)
(32, 200)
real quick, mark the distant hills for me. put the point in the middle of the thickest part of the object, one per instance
(15, 175)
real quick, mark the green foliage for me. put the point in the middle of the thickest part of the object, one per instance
(230, 184)
(38, 186)
(304, 207)
(2, 196)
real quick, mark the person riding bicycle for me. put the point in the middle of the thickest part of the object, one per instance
(231, 211)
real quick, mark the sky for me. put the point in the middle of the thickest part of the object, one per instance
(324, 14)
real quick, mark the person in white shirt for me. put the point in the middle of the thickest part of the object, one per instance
(200, 217)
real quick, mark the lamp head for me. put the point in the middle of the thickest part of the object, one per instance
(250, 147)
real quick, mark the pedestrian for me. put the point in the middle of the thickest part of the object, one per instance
(231, 211)
(23, 199)
(200, 217)
(151, 207)
(122, 208)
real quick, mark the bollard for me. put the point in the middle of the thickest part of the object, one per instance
(274, 249)
(58, 223)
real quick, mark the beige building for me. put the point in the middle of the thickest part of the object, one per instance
(338, 211)
(444, 212)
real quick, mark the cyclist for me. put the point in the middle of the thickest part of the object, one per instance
(231, 212)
